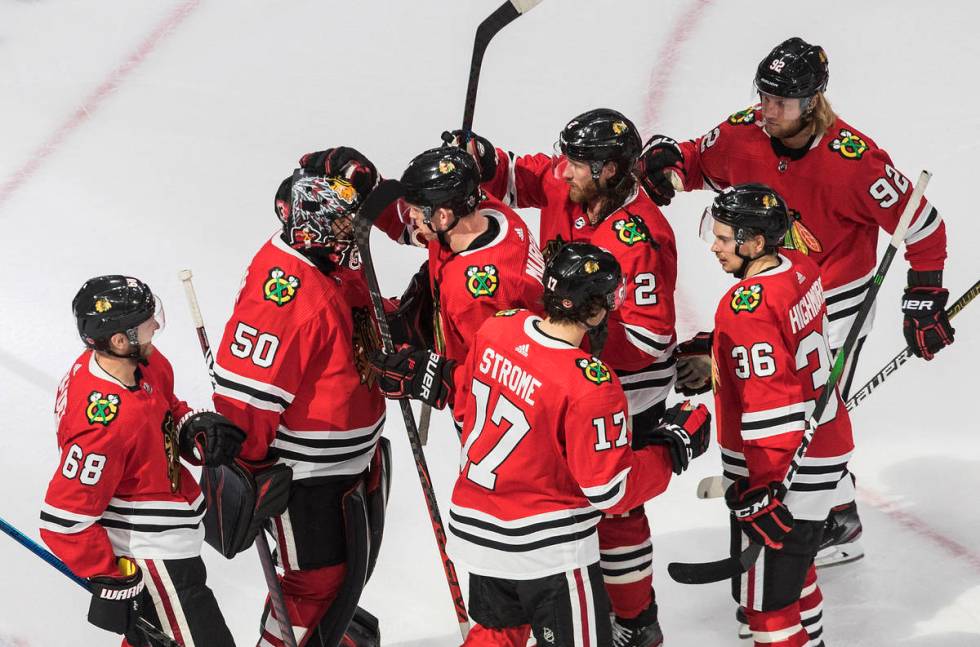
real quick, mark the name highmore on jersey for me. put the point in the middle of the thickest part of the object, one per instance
(806, 308)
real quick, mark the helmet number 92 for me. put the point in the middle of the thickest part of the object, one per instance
(250, 343)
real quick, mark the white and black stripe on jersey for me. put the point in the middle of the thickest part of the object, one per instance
(922, 227)
(814, 489)
(649, 386)
(327, 453)
(254, 393)
(526, 548)
(627, 564)
(843, 304)
(150, 529)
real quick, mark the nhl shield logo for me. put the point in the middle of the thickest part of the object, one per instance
(481, 282)
(594, 370)
(279, 288)
(631, 231)
(849, 145)
(102, 409)
(746, 299)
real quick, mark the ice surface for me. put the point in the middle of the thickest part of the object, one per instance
(145, 137)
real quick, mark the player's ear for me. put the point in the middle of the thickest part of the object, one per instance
(609, 170)
(119, 343)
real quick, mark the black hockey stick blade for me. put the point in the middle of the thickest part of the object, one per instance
(500, 18)
(708, 572)
(377, 201)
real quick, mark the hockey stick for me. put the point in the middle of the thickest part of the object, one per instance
(505, 14)
(383, 195)
(712, 487)
(906, 353)
(261, 542)
(142, 624)
(723, 569)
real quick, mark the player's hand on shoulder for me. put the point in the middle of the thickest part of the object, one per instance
(345, 162)
(115, 603)
(760, 512)
(415, 373)
(694, 365)
(479, 147)
(685, 430)
(210, 438)
(661, 158)
(926, 327)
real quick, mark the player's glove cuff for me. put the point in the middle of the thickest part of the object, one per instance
(760, 512)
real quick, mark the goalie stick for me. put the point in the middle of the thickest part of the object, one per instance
(723, 569)
(381, 197)
(143, 625)
(505, 14)
(261, 542)
(712, 487)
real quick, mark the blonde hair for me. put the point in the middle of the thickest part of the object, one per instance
(821, 116)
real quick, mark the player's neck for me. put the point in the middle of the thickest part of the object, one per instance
(466, 231)
(761, 264)
(570, 332)
(121, 368)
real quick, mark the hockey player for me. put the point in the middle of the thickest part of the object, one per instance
(482, 257)
(587, 192)
(844, 189)
(546, 451)
(291, 370)
(771, 362)
(122, 510)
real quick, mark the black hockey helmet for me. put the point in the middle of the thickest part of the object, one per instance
(578, 275)
(794, 69)
(751, 209)
(599, 136)
(106, 305)
(443, 177)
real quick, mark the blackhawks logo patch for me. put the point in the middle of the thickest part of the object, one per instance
(594, 370)
(365, 341)
(171, 448)
(799, 237)
(743, 117)
(746, 298)
(631, 230)
(279, 288)
(481, 282)
(102, 409)
(508, 313)
(849, 145)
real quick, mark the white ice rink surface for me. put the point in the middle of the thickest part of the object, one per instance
(143, 137)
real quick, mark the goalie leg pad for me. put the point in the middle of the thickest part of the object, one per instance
(378, 488)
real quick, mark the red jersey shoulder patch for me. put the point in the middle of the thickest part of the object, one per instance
(746, 298)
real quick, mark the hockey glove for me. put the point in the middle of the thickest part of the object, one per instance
(685, 430)
(926, 327)
(115, 604)
(760, 512)
(694, 365)
(479, 147)
(209, 438)
(412, 322)
(660, 158)
(415, 373)
(345, 162)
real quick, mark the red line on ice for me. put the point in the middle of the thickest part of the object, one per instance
(911, 522)
(91, 103)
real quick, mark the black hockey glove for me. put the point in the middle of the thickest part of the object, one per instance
(926, 327)
(694, 365)
(661, 156)
(685, 430)
(412, 322)
(479, 147)
(415, 373)
(115, 604)
(346, 162)
(760, 512)
(209, 438)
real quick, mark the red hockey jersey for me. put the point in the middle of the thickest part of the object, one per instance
(845, 189)
(292, 366)
(641, 332)
(546, 451)
(120, 488)
(771, 361)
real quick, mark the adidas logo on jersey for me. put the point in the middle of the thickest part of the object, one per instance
(523, 349)
(800, 277)
(519, 232)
